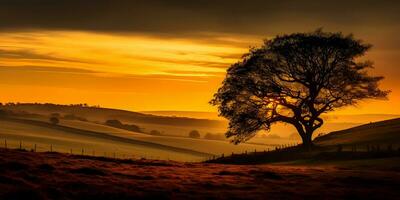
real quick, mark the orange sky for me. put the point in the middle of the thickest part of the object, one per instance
(152, 66)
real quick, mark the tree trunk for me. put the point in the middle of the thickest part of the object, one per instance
(307, 140)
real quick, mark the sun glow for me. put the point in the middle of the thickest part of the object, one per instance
(133, 54)
(131, 71)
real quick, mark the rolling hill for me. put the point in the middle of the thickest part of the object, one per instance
(370, 142)
(180, 123)
(383, 132)
(98, 139)
(83, 127)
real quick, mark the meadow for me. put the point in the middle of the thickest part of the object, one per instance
(28, 175)
(82, 130)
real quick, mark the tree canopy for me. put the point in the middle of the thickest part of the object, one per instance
(294, 79)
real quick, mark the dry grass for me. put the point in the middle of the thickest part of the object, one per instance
(27, 175)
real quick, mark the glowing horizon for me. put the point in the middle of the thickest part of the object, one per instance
(130, 72)
(168, 56)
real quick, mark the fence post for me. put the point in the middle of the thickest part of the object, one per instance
(51, 148)
(390, 147)
(20, 145)
(70, 151)
(5, 143)
(339, 149)
(83, 151)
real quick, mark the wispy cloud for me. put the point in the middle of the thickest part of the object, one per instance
(16, 69)
(30, 54)
(123, 54)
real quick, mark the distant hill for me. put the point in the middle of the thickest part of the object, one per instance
(103, 114)
(191, 114)
(369, 142)
(360, 118)
(180, 123)
(329, 118)
(383, 132)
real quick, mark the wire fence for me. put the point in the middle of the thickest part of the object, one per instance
(40, 147)
(97, 152)
(350, 149)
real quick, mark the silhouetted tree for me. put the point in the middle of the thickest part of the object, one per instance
(194, 134)
(117, 124)
(54, 120)
(294, 79)
(114, 122)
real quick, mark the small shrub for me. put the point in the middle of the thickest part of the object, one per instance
(194, 134)
(113, 122)
(54, 120)
(117, 124)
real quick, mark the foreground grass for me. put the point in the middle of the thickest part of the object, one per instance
(28, 175)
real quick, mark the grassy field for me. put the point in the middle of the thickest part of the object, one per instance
(290, 173)
(64, 140)
(180, 123)
(96, 137)
(174, 132)
(369, 141)
(28, 175)
(379, 133)
(202, 145)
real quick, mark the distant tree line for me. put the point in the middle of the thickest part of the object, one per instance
(50, 104)
(208, 136)
(117, 124)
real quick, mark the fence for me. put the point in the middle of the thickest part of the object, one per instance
(366, 149)
(87, 151)
(37, 147)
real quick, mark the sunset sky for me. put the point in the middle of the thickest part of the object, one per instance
(169, 55)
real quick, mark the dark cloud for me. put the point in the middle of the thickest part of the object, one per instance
(95, 81)
(210, 64)
(181, 72)
(186, 17)
(37, 71)
(27, 54)
(16, 69)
